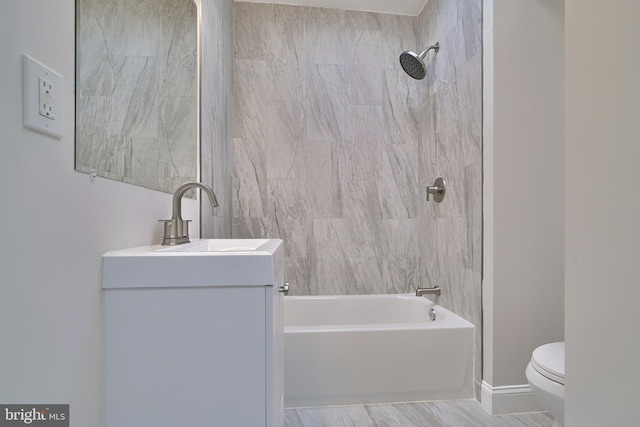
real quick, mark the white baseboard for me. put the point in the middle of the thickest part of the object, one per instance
(508, 399)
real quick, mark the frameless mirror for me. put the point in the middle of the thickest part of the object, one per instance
(137, 101)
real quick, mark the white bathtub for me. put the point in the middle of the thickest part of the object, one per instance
(346, 350)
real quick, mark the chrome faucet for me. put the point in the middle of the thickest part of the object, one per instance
(424, 291)
(176, 229)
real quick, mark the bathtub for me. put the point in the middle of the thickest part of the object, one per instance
(347, 350)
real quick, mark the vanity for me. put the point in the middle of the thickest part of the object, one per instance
(194, 334)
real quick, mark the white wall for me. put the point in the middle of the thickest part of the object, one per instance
(602, 213)
(523, 184)
(56, 224)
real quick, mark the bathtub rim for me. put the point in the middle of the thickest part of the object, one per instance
(448, 320)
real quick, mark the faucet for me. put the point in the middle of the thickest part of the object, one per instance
(176, 230)
(424, 291)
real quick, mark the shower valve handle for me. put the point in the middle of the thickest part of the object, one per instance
(438, 189)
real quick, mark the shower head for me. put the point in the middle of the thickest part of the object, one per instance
(413, 63)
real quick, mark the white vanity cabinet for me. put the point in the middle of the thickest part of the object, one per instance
(194, 337)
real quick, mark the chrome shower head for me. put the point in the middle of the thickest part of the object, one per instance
(413, 63)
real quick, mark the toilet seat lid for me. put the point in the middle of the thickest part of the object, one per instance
(548, 360)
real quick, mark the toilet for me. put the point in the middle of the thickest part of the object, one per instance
(545, 374)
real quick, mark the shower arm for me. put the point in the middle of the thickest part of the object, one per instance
(435, 47)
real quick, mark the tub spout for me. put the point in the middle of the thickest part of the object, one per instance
(424, 291)
(176, 229)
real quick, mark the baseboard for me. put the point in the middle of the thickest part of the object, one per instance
(509, 399)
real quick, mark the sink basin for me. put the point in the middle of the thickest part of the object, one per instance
(201, 263)
(217, 245)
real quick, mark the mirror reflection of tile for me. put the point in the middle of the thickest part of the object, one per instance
(136, 100)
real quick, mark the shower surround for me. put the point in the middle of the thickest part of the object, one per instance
(334, 146)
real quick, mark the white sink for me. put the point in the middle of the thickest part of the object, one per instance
(207, 262)
(217, 245)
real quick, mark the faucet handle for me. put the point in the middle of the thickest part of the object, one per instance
(438, 189)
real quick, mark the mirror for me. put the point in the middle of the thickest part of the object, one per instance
(137, 101)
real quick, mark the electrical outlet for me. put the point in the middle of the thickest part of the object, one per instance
(42, 91)
(46, 98)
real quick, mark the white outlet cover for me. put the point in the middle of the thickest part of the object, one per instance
(33, 73)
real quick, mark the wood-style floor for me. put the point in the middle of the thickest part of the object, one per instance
(459, 413)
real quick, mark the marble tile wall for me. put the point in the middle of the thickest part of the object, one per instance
(216, 147)
(335, 145)
(450, 107)
(136, 91)
(326, 136)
